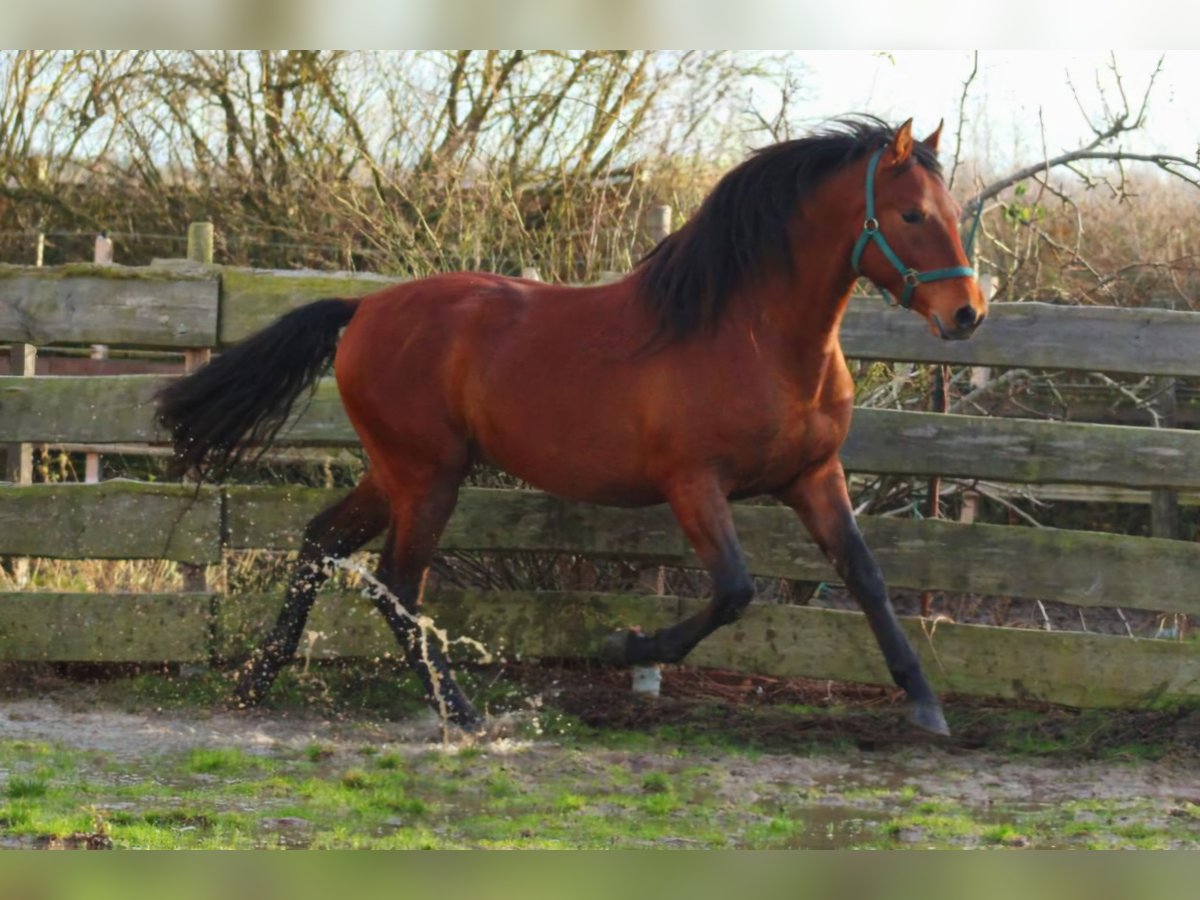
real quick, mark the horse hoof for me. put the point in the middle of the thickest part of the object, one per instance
(472, 724)
(244, 698)
(248, 693)
(928, 717)
(615, 649)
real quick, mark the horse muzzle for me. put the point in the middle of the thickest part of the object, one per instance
(965, 321)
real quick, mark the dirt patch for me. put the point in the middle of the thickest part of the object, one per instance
(134, 735)
(719, 760)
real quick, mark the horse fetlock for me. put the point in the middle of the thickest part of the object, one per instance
(249, 692)
(629, 648)
(470, 723)
(615, 649)
(257, 677)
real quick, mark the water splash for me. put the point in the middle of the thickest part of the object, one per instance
(426, 627)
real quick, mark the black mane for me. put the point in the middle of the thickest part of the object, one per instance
(740, 229)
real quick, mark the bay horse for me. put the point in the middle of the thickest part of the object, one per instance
(711, 372)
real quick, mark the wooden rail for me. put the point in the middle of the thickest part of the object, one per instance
(131, 520)
(91, 304)
(118, 409)
(1087, 670)
(214, 306)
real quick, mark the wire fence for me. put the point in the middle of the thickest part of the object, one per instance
(133, 248)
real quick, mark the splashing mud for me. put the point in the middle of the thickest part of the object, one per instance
(426, 629)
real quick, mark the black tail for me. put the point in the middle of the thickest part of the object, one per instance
(245, 394)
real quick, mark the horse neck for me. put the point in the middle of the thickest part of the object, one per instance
(804, 305)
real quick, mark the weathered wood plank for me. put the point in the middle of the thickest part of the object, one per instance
(112, 520)
(119, 409)
(1022, 451)
(75, 365)
(105, 627)
(1083, 568)
(784, 641)
(251, 299)
(348, 625)
(1072, 493)
(108, 305)
(273, 518)
(171, 307)
(81, 409)
(1037, 335)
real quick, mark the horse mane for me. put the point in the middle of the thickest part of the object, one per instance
(740, 230)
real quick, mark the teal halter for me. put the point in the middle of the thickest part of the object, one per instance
(911, 276)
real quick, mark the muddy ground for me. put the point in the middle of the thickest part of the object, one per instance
(346, 759)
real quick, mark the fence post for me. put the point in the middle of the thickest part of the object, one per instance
(939, 401)
(18, 458)
(102, 255)
(22, 360)
(647, 680)
(1164, 504)
(199, 250)
(980, 376)
(658, 222)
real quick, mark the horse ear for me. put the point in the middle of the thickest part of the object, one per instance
(932, 141)
(902, 144)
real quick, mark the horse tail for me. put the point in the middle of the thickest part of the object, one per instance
(244, 396)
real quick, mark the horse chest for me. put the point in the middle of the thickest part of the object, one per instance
(770, 450)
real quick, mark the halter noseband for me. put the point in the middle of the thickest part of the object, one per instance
(911, 276)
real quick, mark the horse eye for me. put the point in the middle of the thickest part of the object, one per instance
(913, 216)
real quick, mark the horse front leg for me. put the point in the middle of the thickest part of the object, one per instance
(703, 512)
(821, 500)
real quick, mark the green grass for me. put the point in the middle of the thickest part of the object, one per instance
(485, 800)
(219, 761)
(656, 783)
(389, 761)
(579, 785)
(24, 788)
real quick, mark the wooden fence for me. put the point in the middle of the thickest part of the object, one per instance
(205, 307)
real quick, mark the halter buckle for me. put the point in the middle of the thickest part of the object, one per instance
(912, 277)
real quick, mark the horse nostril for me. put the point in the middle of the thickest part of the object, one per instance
(964, 316)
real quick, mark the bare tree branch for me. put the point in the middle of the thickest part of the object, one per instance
(962, 118)
(1170, 164)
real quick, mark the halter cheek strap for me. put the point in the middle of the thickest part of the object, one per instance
(872, 234)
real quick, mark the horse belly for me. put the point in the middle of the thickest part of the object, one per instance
(581, 447)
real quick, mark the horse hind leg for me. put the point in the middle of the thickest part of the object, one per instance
(418, 519)
(333, 533)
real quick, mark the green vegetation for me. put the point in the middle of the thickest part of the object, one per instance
(702, 774)
(436, 799)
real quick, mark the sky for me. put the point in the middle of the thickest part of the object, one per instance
(1007, 94)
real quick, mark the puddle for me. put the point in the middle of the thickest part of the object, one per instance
(288, 832)
(837, 828)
